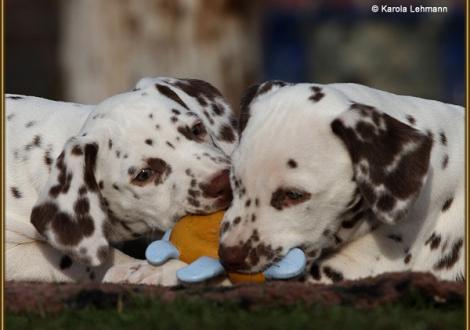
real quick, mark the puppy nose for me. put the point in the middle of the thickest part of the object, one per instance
(218, 186)
(233, 257)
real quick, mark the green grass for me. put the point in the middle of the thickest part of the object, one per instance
(194, 313)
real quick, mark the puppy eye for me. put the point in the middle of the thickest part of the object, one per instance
(295, 195)
(144, 175)
(198, 130)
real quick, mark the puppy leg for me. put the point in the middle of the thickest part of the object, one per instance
(38, 261)
(143, 273)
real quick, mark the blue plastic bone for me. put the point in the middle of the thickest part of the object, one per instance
(160, 251)
(292, 265)
(202, 269)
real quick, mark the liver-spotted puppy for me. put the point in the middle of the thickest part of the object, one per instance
(364, 181)
(79, 178)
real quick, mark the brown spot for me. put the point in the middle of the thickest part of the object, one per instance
(443, 138)
(82, 190)
(248, 203)
(30, 124)
(65, 262)
(165, 90)
(91, 152)
(317, 94)
(315, 272)
(225, 227)
(47, 158)
(77, 150)
(198, 89)
(434, 241)
(226, 134)
(407, 258)
(333, 274)
(14, 97)
(217, 109)
(15, 192)
(411, 119)
(149, 142)
(291, 163)
(170, 145)
(37, 141)
(67, 231)
(267, 86)
(449, 260)
(110, 143)
(42, 214)
(445, 161)
(447, 204)
(237, 220)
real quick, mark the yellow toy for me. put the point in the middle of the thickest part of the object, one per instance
(195, 240)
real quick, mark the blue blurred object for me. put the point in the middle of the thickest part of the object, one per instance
(200, 270)
(292, 265)
(160, 251)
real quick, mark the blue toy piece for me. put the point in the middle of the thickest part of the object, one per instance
(204, 268)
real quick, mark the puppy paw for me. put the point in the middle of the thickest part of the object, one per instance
(141, 272)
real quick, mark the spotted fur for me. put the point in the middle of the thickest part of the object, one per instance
(84, 178)
(364, 181)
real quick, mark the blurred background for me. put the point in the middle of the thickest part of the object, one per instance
(86, 50)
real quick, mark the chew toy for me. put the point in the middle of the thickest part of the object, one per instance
(195, 240)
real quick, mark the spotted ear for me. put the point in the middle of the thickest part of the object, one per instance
(251, 94)
(390, 159)
(69, 212)
(206, 101)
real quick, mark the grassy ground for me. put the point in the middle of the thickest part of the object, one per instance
(194, 313)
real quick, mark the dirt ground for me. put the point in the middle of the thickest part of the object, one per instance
(366, 293)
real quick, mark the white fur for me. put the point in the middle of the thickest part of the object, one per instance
(284, 124)
(124, 119)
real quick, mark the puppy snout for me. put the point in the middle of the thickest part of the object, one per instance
(218, 186)
(233, 257)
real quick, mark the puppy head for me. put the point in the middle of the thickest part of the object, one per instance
(310, 162)
(142, 160)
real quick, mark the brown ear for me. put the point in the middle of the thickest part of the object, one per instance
(390, 159)
(69, 210)
(250, 95)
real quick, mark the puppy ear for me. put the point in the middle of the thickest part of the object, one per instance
(390, 159)
(70, 211)
(208, 103)
(253, 93)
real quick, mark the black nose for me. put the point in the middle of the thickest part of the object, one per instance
(233, 257)
(218, 186)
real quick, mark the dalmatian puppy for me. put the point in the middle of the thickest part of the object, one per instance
(364, 181)
(80, 178)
